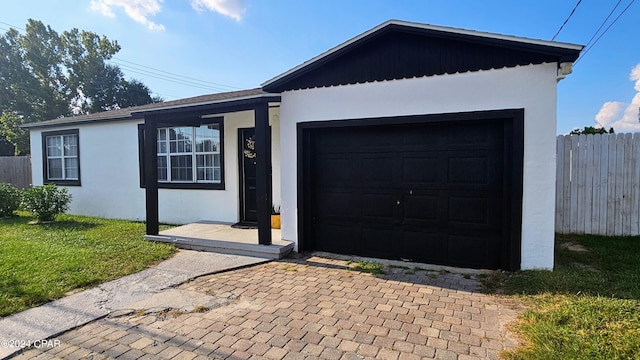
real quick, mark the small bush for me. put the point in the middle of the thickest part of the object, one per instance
(9, 199)
(46, 202)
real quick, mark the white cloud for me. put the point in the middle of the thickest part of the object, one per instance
(232, 8)
(610, 110)
(138, 10)
(102, 8)
(635, 76)
(623, 117)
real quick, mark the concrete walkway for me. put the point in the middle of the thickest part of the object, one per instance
(146, 289)
(307, 308)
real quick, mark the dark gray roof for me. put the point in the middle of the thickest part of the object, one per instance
(130, 112)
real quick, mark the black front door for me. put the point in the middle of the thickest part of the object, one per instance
(247, 156)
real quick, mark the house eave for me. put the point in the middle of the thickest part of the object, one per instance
(141, 113)
(209, 105)
(418, 26)
(72, 122)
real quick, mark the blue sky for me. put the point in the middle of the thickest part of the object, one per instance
(221, 45)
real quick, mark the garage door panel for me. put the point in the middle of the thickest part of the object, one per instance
(475, 212)
(338, 203)
(372, 139)
(339, 237)
(378, 205)
(336, 171)
(472, 250)
(422, 245)
(420, 170)
(377, 171)
(430, 192)
(338, 142)
(468, 210)
(420, 207)
(468, 170)
(424, 139)
(485, 134)
(377, 241)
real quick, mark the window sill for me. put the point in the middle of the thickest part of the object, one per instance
(190, 186)
(63, 182)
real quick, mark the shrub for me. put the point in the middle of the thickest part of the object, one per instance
(46, 202)
(9, 199)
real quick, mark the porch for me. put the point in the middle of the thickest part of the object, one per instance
(251, 182)
(222, 238)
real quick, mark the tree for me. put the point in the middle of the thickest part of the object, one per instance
(45, 75)
(591, 130)
(14, 134)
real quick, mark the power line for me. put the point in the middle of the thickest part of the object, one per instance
(174, 74)
(604, 22)
(584, 53)
(158, 73)
(163, 95)
(13, 26)
(566, 20)
(170, 78)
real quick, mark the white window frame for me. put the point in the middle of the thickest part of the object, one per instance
(193, 153)
(63, 157)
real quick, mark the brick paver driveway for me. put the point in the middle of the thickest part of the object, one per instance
(307, 308)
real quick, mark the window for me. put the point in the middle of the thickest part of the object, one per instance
(188, 157)
(61, 157)
(189, 154)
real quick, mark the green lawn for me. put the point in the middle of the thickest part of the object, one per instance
(587, 308)
(40, 263)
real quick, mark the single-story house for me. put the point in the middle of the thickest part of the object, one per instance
(409, 141)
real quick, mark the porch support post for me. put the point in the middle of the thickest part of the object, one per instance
(263, 172)
(151, 175)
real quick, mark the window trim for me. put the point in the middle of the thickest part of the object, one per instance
(45, 158)
(193, 154)
(184, 185)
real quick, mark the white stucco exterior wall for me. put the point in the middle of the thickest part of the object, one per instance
(110, 184)
(530, 87)
(110, 177)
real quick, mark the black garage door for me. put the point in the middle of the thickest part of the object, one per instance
(427, 192)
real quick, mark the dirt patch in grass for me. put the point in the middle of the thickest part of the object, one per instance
(573, 247)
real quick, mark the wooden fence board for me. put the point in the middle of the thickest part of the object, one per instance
(575, 155)
(604, 176)
(595, 196)
(559, 184)
(566, 187)
(626, 191)
(16, 170)
(598, 184)
(611, 188)
(619, 181)
(635, 186)
(588, 184)
(579, 170)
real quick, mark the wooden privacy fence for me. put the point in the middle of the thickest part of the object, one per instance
(597, 184)
(16, 170)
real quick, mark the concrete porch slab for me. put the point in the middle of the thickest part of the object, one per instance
(222, 238)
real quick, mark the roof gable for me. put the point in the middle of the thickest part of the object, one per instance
(398, 50)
